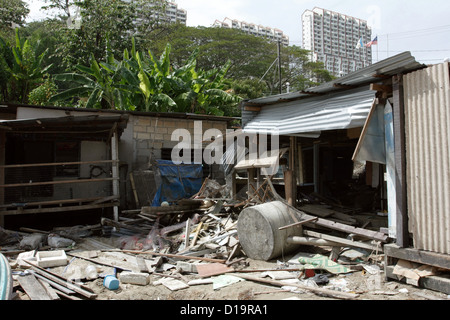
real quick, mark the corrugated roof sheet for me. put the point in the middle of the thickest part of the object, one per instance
(340, 104)
(400, 63)
(313, 115)
(427, 133)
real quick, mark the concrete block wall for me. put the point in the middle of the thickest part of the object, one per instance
(151, 135)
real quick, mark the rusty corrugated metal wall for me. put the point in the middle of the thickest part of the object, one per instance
(427, 133)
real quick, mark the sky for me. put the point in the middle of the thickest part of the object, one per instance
(421, 27)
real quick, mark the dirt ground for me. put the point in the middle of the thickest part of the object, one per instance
(367, 286)
(357, 282)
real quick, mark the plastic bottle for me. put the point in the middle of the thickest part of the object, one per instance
(111, 282)
(91, 272)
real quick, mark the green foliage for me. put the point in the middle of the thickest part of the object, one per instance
(12, 12)
(251, 58)
(21, 68)
(142, 81)
(42, 94)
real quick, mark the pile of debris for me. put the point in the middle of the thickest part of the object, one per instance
(194, 242)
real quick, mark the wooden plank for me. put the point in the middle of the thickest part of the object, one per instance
(44, 183)
(78, 288)
(321, 211)
(115, 168)
(402, 232)
(53, 202)
(33, 287)
(418, 256)
(56, 209)
(331, 224)
(320, 291)
(56, 164)
(380, 88)
(176, 256)
(54, 284)
(50, 291)
(343, 241)
(297, 223)
(436, 283)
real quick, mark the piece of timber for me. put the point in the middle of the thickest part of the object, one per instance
(331, 224)
(78, 288)
(176, 256)
(343, 241)
(321, 291)
(33, 287)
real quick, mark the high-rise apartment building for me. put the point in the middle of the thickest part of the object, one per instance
(253, 29)
(164, 11)
(333, 37)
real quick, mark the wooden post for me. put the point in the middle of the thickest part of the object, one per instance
(292, 167)
(115, 170)
(288, 187)
(400, 163)
(316, 167)
(2, 172)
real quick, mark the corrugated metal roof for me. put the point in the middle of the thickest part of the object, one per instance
(340, 104)
(400, 63)
(313, 115)
(427, 133)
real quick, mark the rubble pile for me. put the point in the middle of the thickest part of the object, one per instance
(195, 243)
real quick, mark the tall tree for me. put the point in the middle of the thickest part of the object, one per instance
(252, 58)
(12, 13)
(103, 23)
(142, 81)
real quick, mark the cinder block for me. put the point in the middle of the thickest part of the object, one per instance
(187, 267)
(49, 259)
(138, 278)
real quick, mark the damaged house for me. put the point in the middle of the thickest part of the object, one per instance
(353, 177)
(365, 150)
(55, 161)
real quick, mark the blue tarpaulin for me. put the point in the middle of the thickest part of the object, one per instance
(177, 181)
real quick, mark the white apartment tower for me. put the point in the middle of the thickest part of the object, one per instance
(165, 11)
(333, 37)
(253, 29)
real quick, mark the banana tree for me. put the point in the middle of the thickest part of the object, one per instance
(22, 68)
(146, 83)
(98, 85)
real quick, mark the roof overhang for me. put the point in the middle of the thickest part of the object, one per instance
(83, 127)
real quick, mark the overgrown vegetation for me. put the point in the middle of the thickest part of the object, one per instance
(110, 55)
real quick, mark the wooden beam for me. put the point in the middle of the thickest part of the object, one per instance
(343, 241)
(32, 165)
(56, 209)
(343, 86)
(44, 183)
(115, 169)
(2, 172)
(320, 291)
(33, 288)
(254, 109)
(402, 233)
(380, 88)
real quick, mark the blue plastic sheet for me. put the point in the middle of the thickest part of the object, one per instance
(177, 181)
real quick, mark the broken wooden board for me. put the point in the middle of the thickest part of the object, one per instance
(33, 288)
(374, 235)
(324, 212)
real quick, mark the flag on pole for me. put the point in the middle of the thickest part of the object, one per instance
(360, 44)
(374, 42)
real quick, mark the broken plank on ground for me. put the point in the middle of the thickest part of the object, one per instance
(33, 288)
